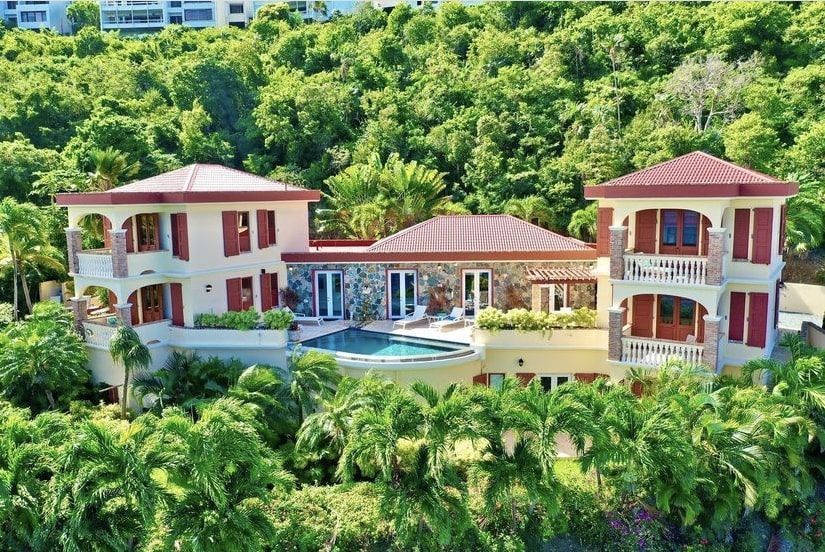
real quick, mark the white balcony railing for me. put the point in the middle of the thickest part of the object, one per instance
(653, 352)
(665, 269)
(98, 333)
(98, 265)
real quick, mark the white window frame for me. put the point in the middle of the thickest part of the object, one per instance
(555, 379)
(401, 271)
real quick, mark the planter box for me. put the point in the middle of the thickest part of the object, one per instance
(595, 338)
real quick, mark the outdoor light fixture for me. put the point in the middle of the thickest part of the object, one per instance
(208, 288)
(520, 362)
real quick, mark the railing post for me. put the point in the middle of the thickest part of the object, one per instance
(79, 305)
(120, 268)
(618, 246)
(711, 347)
(124, 312)
(716, 251)
(74, 242)
(614, 333)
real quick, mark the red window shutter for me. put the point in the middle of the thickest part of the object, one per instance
(741, 233)
(642, 316)
(646, 231)
(603, 222)
(705, 235)
(736, 326)
(183, 237)
(176, 291)
(129, 226)
(266, 291)
(783, 214)
(700, 333)
(585, 377)
(276, 295)
(133, 299)
(757, 319)
(481, 379)
(762, 235)
(173, 218)
(273, 231)
(234, 291)
(776, 306)
(263, 229)
(230, 233)
(107, 237)
(525, 378)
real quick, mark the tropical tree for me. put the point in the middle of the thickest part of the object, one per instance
(43, 359)
(111, 168)
(312, 378)
(534, 209)
(805, 222)
(127, 349)
(219, 476)
(583, 223)
(261, 386)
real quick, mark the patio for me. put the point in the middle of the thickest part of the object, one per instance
(458, 333)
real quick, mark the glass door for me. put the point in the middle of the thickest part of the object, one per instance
(329, 294)
(477, 290)
(402, 292)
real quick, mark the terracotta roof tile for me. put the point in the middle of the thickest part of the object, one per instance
(696, 168)
(475, 233)
(205, 178)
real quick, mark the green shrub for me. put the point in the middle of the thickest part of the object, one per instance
(526, 321)
(278, 319)
(231, 320)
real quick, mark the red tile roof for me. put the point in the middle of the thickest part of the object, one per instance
(695, 174)
(475, 233)
(195, 183)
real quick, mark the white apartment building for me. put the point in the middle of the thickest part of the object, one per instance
(37, 15)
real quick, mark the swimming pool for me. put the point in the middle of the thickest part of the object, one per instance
(376, 344)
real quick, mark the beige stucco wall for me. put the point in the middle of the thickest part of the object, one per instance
(804, 298)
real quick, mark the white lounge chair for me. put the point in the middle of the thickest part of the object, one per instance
(419, 314)
(301, 317)
(456, 316)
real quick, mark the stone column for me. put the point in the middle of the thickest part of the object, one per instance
(711, 352)
(74, 241)
(124, 312)
(716, 252)
(614, 333)
(618, 245)
(78, 306)
(120, 268)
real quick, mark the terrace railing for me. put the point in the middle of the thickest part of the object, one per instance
(639, 351)
(665, 269)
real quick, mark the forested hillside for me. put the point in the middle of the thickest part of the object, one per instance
(507, 100)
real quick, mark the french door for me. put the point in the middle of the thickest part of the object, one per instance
(477, 290)
(677, 318)
(402, 291)
(151, 303)
(680, 232)
(329, 294)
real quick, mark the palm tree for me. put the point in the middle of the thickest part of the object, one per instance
(111, 168)
(805, 222)
(534, 209)
(126, 348)
(583, 223)
(312, 378)
(24, 243)
(219, 476)
(261, 386)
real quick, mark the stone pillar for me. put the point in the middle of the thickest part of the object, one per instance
(124, 312)
(614, 333)
(78, 306)
(74, 241)
(120, 268)
(716, 252)
(535, 298)
(618, 245)
(711, 352)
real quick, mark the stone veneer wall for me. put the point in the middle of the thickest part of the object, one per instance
(357, 276)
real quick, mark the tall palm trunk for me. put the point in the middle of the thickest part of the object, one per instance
(25, 285)
(125, 397)
(15, 270)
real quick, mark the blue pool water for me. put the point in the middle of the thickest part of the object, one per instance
(361, 342)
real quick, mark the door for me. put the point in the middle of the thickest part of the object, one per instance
(148, 233)
(551, 382)
(642, 316)
(329, 294)
(151, 303)
(676, 318)
(477, 290)
(680, 232)
(402, 290)
(646, 231)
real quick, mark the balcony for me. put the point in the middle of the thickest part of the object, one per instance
(96, 263)
(98, 332)
(638, 351)
(665, 269)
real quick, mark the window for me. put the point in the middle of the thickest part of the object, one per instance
(246, 293)
(687, 311)
(148, 234)
(496, 381)
(680, 232)
(666, 309)
(551, 382)
(267, 231)
(239, 293)
(198, 15)
(175, 19)
(180, 236)
(244, 245)
(690, 229)
(33, 17)
(11, 5)
(235, 8)
(670, 228)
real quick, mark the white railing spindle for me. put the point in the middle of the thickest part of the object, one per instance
(95, 264)
(652, 352)
(665, 269)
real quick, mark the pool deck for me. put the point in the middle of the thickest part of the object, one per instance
(457, 333)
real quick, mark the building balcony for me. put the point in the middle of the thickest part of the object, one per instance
(665, 269)
(100, 263)
(639, 351)
(95, 263)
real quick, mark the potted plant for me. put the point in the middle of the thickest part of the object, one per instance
(294, 332)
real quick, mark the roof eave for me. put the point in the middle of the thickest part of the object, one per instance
(647, 191)
(149, 198)
(440, 256)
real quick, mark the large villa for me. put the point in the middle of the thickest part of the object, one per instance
(688, 265)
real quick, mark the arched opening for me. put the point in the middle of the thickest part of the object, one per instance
(100, 308)
(95, 232)
(149, 304)
(666, 317)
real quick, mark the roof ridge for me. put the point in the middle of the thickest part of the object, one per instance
(659, 164)
(738, 167)
(190, 180)
(406, 230)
